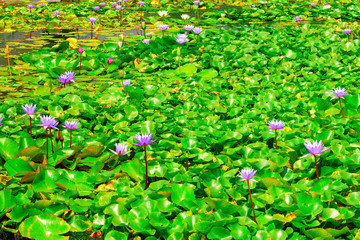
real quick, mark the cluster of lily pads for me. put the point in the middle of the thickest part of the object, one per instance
(207, 97)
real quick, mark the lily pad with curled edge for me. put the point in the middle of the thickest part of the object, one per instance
(44, 226)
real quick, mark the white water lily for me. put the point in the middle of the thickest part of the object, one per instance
(185, 16)
(223, 15)
(163, 13)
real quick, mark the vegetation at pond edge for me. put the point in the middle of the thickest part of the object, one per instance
(180, 120)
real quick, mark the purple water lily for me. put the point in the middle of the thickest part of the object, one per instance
(120, 151)
(92, 20)
(29, 109)
(71, 125)
(146, 41)
(1, 123)
(47, 122)
(347, 31)
(312, 4)
(144, 140)
(276, 125)
(163, 27)
(71, 76)
(247, 175)
(297, 18)
(30, 6)
(339, 93)
(118, 7)
(142, 3)
(56, 13)
(315, 148)
(182, 38)
(42, 4)
(127, 83)
(102, 4)
(63, 79)
(197, 2)
(96, 8)
(197, 30)
(188, 27)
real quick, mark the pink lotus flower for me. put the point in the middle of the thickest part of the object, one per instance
(80, 50)
(109, 61)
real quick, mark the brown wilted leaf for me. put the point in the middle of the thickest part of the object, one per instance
(224, 167)
(4, 179)
(96, 234)
(137, 61)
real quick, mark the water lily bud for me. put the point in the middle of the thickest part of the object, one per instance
(59, 137)
(80, 50)
(7, 50)
(178, 51)
(109, 61)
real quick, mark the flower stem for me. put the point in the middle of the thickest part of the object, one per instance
(317, 173)
(80, 64)
(115, 164)
(47, 148)
(341, 108)
(52, 144)
(70, 137)
(252, 205)
(275, 139)
(8, 58)
(146, 176)
(30, 128)
(91, 32)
